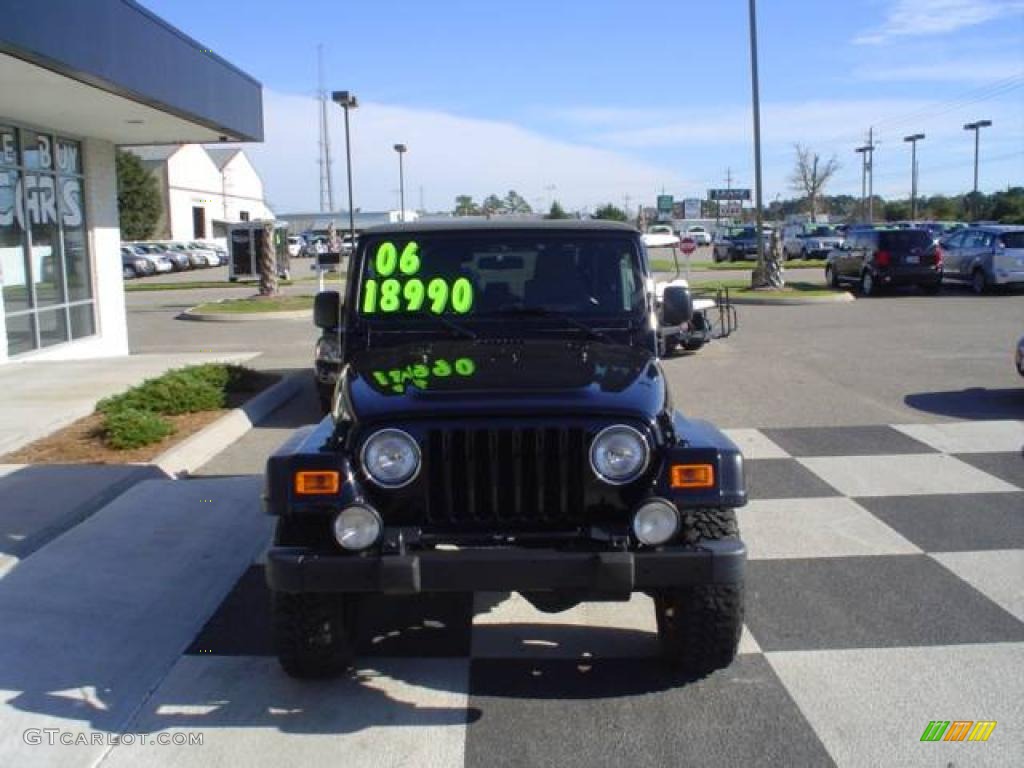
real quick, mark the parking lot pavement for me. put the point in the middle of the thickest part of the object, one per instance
(871, 610)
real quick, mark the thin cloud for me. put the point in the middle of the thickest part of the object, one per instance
(448, 155)
(918, 18)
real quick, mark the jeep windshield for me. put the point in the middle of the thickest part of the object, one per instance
(417, 279)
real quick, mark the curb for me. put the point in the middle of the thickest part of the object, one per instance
(193, 452)
(244, 317)
(838, 298)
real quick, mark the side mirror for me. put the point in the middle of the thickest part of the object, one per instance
(327, 309)
(676, 305)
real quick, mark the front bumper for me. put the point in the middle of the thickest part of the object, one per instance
(511, 569)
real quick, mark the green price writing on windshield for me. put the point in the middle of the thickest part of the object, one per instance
(404, 292)
(420, 374)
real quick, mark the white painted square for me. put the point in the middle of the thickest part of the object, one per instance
(968, 436)
(7, 562)
(399, 712)
(512, 628)
(871, 706)
(755, 445)
(903, 475)
(803, 528)
(997, 574)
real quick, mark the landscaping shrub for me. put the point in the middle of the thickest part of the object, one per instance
(175, 392)
(131, 428)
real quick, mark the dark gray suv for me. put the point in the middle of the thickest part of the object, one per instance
(874, 259)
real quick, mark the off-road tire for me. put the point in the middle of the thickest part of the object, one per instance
(699, 627)
(313, 633)
(708, 523)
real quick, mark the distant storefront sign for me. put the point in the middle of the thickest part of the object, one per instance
(728, 194)
(665, 204)
(691, 208)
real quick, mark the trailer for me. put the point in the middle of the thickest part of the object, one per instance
(245, 244)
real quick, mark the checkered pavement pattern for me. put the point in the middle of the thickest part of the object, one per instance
(885, 589)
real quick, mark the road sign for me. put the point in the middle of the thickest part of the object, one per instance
(691, 208)
(665, 204)
(728, 194)
(687, 245)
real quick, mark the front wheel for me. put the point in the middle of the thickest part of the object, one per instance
(313, 633)
(979, 283)
(868, 287)
(831, 277)
(699, 627)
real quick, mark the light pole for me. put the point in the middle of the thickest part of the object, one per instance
(401, 150)
(913, 172)
(348, 101)
(976, 127)
(863, 152)
(756, 97)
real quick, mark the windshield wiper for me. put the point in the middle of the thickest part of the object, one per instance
(561, 315)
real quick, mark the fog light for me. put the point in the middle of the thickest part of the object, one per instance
(655, 522)
(357, 527)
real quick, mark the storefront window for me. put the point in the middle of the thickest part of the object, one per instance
(46, 270)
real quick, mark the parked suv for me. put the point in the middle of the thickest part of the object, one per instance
(501, 422)
(134, 264)
(736, 243)
(875, 259)
(816, 243)
(985, 257)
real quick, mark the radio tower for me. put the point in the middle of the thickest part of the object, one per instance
(326, 185)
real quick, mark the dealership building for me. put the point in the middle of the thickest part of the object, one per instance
(77, 80)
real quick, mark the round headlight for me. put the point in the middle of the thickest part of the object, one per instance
(655, 522)
(357, 527)
(391, 458)
(619, 454)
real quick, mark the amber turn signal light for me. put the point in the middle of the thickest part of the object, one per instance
(308, 483)
(692, 476)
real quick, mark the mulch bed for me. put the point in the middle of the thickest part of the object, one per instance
(82, 441)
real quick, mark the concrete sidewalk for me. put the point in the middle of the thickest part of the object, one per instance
(42, 397)
(92, 622)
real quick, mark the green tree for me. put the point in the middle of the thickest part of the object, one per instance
(493, 204)
(897, 210)
(516, 203)
(940, 208)
(465, 206)
(1008, 207)
(557, 211)
(610, 212)
(138, 198)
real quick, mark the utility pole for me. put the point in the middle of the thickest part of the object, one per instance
(976, 127)
(756, 97)
(867, 178)
(913, 172)
(326, 184)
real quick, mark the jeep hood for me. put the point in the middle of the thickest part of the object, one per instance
(452, 378)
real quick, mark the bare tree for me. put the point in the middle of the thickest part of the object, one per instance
(811, 175)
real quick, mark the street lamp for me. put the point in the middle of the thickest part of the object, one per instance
(401, 150)
(348, 101)
(976, 127)
(756, 99)
(913, 172)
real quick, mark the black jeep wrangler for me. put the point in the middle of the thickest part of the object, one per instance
(501, 423)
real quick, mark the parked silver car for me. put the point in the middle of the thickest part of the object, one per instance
(985, 256)
(811, 244)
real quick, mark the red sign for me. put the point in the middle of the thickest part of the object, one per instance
(688, 245)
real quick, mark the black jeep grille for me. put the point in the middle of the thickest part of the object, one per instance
(505, 477)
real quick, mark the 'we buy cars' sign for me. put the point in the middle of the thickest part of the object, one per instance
(33, 197)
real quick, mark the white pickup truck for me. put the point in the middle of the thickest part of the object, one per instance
(660, 236)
